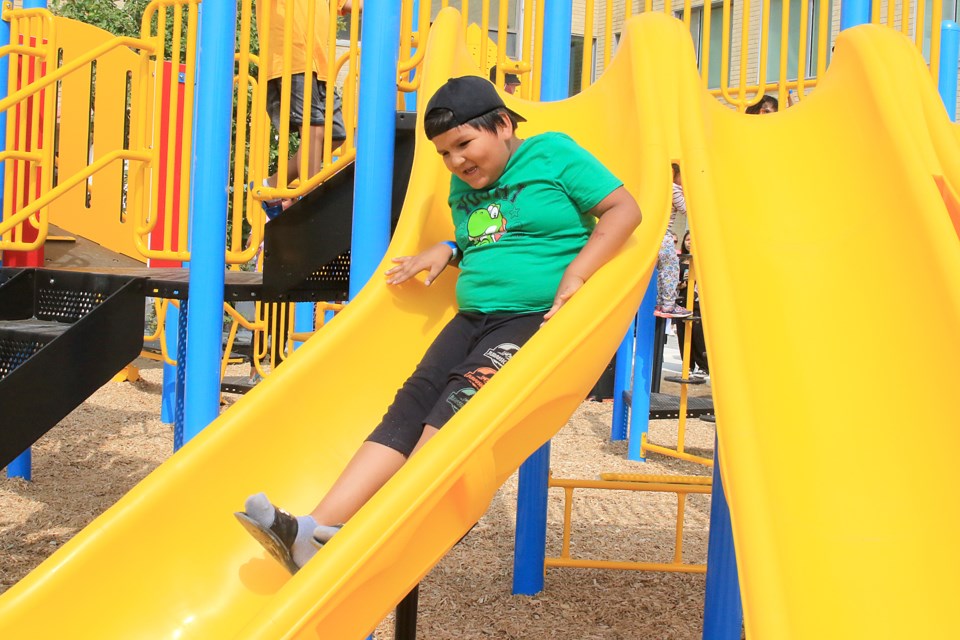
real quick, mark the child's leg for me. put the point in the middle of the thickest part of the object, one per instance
(401, 431)
(369, 469)
(668, 273)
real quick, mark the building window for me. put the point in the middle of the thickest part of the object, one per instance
(576, 64)
(949, 13)
(715, 45)
(811, 50)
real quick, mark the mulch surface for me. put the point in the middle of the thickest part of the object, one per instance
(115, 439)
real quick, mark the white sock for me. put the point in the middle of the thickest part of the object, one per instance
(303, 547)
(259, 507)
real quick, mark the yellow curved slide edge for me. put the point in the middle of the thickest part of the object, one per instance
(169, 560)
(830, 268)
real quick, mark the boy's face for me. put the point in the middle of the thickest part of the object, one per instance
(476, 156)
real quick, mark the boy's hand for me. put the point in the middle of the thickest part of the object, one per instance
(569, 285)
(433, 260)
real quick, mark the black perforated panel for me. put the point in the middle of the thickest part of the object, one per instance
(64, 304)
(14, 352)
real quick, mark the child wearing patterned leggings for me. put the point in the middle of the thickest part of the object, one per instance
(668, 264)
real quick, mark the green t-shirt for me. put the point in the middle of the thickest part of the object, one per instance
(518, 235)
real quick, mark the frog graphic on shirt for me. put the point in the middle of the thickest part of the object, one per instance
(486, 225)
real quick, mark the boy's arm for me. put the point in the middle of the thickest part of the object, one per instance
(619, 214)
(433, 260)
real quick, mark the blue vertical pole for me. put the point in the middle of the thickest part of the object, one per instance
(854, 12)
(722, 607)
(212, 115)
(22, 465)
(376, 123)
(643, 370)
(949, 56)
(168, 391)
(302, 320)
(531, 535)
(622, 369)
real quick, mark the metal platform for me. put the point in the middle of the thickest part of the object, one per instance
(667, 407)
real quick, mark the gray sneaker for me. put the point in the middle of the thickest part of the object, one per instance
(277, 539)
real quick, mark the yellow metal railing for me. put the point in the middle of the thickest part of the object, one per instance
(680, 485)
(256, 135)
(28, 158)
(144, 196)
(685, 379)
(142, 152)
(744, 50)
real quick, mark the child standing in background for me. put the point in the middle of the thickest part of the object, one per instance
(668, 265)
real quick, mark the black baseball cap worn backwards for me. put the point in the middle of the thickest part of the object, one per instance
(468, 97)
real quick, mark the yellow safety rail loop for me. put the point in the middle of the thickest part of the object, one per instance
(259, 142)
(32, 159)
(144, 198)
(680, 485)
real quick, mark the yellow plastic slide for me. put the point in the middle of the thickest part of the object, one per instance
(826, 236)
(170, 561)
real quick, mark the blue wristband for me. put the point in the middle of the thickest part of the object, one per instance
(454, 248)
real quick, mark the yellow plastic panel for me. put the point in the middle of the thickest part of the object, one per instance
(831, 292)
(101, 222)
(170, 561)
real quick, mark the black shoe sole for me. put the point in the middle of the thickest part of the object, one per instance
(269, 540)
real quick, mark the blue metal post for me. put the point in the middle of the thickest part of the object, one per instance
(212, 114)
(168, 391)
(722, 607)
(643, 370)
(376, 123)
(622, 370)
(179, 409)
(22, 465)
(302, 320)
(854, 12)
(531, 535)
(949, 56)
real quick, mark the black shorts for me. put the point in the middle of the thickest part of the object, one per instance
(466, 354)
(317, 106)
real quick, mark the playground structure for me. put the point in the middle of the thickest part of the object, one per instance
(494, 442)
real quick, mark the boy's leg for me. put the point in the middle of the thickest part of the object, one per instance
(500, 338)
(401, 429)
(369, 469)
(318, 127)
